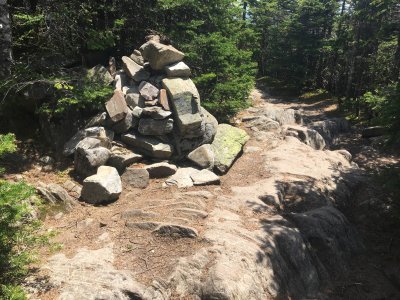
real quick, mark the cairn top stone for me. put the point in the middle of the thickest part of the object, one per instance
(160, 55)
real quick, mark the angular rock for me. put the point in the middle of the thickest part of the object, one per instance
(137, 112)
(87, 161)
(97, 120)
(137, 57)
(163, 99)
(125, 124)
(156, 112)
(104, 136)
(205, 177)
(103, 187)
(148, 145)
(174, 230)
(148, 91)
(121, 158)
(100, 74)
(185, 104)
(116, 107)
(203, 156)
(135, 178)
(179, 69)
(153, 127)
(133, 99)
(159, 55)
(134, 70)
(227, 145)
(120, 80)
(161, 170)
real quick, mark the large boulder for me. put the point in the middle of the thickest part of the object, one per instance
(116, 107)
(148, 145)
(160, 55)
(87, 161)
(103, 187)
(227, 145)
(185, 104)
(134, 70)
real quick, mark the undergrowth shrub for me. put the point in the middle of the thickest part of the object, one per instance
(19, 232)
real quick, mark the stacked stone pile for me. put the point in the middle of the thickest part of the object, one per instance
(155, 113)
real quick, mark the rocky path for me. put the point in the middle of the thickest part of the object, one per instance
(272, 229)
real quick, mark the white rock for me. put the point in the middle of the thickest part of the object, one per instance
(179, 69)
(103, 187)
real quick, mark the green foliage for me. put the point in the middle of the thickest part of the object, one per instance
(100, 40)
(7, 143)
(86, 95)
(218, 46)
(18, 231)
(384, 103)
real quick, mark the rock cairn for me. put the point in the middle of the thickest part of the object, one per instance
(155, 113)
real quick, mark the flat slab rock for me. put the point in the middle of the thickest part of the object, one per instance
(151, 146)
(188, 177)
(90, 275)
(161, 170)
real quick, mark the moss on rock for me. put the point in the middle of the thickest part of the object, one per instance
(227, 145)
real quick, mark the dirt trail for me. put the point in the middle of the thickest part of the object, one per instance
(123, 255)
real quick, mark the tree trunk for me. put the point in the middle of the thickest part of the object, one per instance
(5, 40)
(244, 16)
